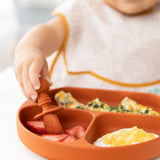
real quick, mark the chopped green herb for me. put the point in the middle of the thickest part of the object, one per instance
(79, 107)
(102, 105)
(90, 104)
(96, 106)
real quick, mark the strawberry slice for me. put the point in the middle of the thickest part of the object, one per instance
(36, 126)
(55, 137)
(76, 130)
(69, 139)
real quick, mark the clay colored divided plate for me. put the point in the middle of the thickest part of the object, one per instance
(97, 124)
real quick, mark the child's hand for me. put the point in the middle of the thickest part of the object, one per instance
(29, 64)
(30, 53)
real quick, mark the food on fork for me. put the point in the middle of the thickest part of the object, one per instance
(124, 137)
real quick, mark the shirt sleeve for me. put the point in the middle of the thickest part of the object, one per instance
(71, 10)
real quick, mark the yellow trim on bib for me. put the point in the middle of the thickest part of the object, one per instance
(64, 43)
(113, 82)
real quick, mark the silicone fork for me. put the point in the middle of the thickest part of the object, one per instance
(50, 119)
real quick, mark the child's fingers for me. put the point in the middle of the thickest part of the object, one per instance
(45, 73)
(18, 73)
(26, 95)
(34, 73)
(28, 87)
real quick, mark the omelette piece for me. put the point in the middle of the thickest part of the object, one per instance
(66, 100)
(127, 105)
(97, 105)
(130, 106)
(124, 137)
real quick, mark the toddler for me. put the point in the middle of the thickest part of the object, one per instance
(108, 44)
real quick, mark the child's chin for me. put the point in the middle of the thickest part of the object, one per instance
(128, 9)
(131, 12)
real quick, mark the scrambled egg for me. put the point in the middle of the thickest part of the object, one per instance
(125, 137)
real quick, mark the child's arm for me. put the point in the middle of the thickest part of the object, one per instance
(30, 55)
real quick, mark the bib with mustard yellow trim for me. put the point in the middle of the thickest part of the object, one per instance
(107, 49)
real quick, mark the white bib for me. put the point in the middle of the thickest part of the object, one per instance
(119, 47)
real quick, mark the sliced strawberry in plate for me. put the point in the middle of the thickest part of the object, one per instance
(36, 126)
(69, 139)
(55, 137)
(76, 130)
(81, 131)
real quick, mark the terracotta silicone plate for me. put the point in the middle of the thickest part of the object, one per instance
(97, 124)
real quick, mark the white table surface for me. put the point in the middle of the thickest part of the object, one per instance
(11, 98)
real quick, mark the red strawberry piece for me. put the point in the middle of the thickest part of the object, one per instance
(55, 137)
(36, 126)
(76, 130)
(81, 131)
(69, 139)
